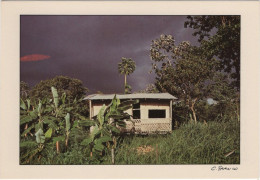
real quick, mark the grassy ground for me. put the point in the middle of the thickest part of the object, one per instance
(214, 143)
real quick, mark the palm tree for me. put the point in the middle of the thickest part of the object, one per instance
(126, 67)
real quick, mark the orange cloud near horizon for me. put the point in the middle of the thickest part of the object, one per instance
(34, 57)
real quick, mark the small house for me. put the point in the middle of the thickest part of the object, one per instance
(153, 113)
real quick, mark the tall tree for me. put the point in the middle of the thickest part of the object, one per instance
(126, 67)
(181, 71)
(220, 37)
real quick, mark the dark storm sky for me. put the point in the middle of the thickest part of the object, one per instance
(90, 47)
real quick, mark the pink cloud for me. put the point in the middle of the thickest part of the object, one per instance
(34, 57)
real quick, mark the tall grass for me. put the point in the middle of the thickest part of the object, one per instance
(214, 143)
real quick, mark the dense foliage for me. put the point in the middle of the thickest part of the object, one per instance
(53, 127)
(220, 37)
(46, 125)
(73, 88)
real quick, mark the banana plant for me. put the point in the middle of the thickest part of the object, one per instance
(56, 120)
(106, 126)
(31, 117)
(51, 121)
(98, 134)
(28, 116)
(117, 117)
(61, 119)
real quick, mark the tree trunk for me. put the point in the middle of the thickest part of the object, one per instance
(113, 155)
(125, 85)
(26, 127)
(57, 146)
(125, 80)
(67, 142)
(193, 111)
(194, 115)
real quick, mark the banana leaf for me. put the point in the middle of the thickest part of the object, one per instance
(105, 132)
(39, 108)
(50, 123)
(124, 108)
(51, 118)
(67, 119)
(99, 147)
(103, 139)
(55, 96)
(94, 132)
(82, 117)
(86, 123)
(26, 119)
(28, 144)
(114, 129)
(33, 114)
(86, 142)
(100, 115)
(28, 103)
(115, 116)
(128, 102)
(63, 98)
(39, 126)
(22, 105)
(40, 138)
(48, 133)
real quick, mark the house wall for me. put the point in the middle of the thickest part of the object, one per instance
(96, 106)
(154, 104)
(144, 124)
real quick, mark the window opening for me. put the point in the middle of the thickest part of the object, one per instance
(136, 111)
(157, 113)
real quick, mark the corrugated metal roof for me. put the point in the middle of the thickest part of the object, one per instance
(131, 96)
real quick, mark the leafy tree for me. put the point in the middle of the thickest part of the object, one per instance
(220, 37)
(181, 71)
(73, 88)
(126, 67)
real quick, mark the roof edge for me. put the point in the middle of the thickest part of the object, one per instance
(130, 96)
